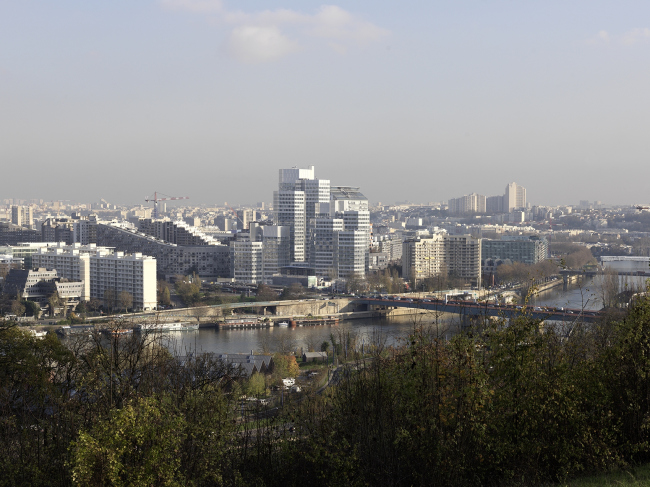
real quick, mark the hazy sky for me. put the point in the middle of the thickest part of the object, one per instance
(421, 100)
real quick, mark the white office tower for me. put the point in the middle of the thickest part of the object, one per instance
(515, 197)
(299, 193)
(289, 207)
(351, 206)
(324, 243)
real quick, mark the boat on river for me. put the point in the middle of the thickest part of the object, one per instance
(165, 327)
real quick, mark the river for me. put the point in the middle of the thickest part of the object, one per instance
(586, 294)
(388, 331)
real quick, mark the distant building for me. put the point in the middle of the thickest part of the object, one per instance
(517, 248)
(39, 284)
(247, 261)
(442, 255)
(103, 272)
(11, 234)
(467, 205)
(23, 216)
(514, 198)
(209, 261)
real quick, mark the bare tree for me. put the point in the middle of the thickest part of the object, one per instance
(126, 300)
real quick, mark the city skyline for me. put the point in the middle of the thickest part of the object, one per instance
(205, 99)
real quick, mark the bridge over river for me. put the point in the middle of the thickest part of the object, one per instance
(469, 308)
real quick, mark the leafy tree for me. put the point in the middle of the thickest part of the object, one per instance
(32, 308)
(139, 445)
(256, 385)
(285, 366)
(189, 289)
(82, 307)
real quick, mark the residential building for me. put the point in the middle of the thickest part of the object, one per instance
(516, 248)
(467, 205)
(276, 249)
(289, 209)
(514, 198)
(247, 261)
(23, 216)
(11, 234)
(104, 272)
(209, 261)
(39, 284)
(350, 205)
(442, 255)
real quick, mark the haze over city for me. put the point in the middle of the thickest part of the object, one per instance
(416, 101)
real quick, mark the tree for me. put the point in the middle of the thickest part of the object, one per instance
(256, 385)
(325, 346)
(285, 366)
(32, 308)
(81, 308)
(355, 284)
(126, 300)
(139, 445)
(265, 293)
(164, 296)
(110, 298)
(189, 289)
(17, 307)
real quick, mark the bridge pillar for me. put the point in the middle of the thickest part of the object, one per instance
(565, 282)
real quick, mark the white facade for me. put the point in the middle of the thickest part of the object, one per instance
(247, 261)
(103, 272)
(290, 211)
(515, 197)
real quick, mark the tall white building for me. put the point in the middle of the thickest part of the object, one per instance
(350, 205)
(289, 208)
(276, 249)
(104, 273)
(296, 203)
(515, 197)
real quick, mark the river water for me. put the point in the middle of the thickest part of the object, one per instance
(388, 331)
(584, 295)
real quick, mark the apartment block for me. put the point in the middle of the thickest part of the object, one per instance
(441, 254)
(209, 261)
(23, 216)
(103, 272)
(516, 248)
(467, 205)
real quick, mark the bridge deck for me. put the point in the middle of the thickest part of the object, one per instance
(485, 309)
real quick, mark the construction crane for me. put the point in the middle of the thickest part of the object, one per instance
(156, 199)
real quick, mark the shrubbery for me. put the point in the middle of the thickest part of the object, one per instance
(497, 405)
